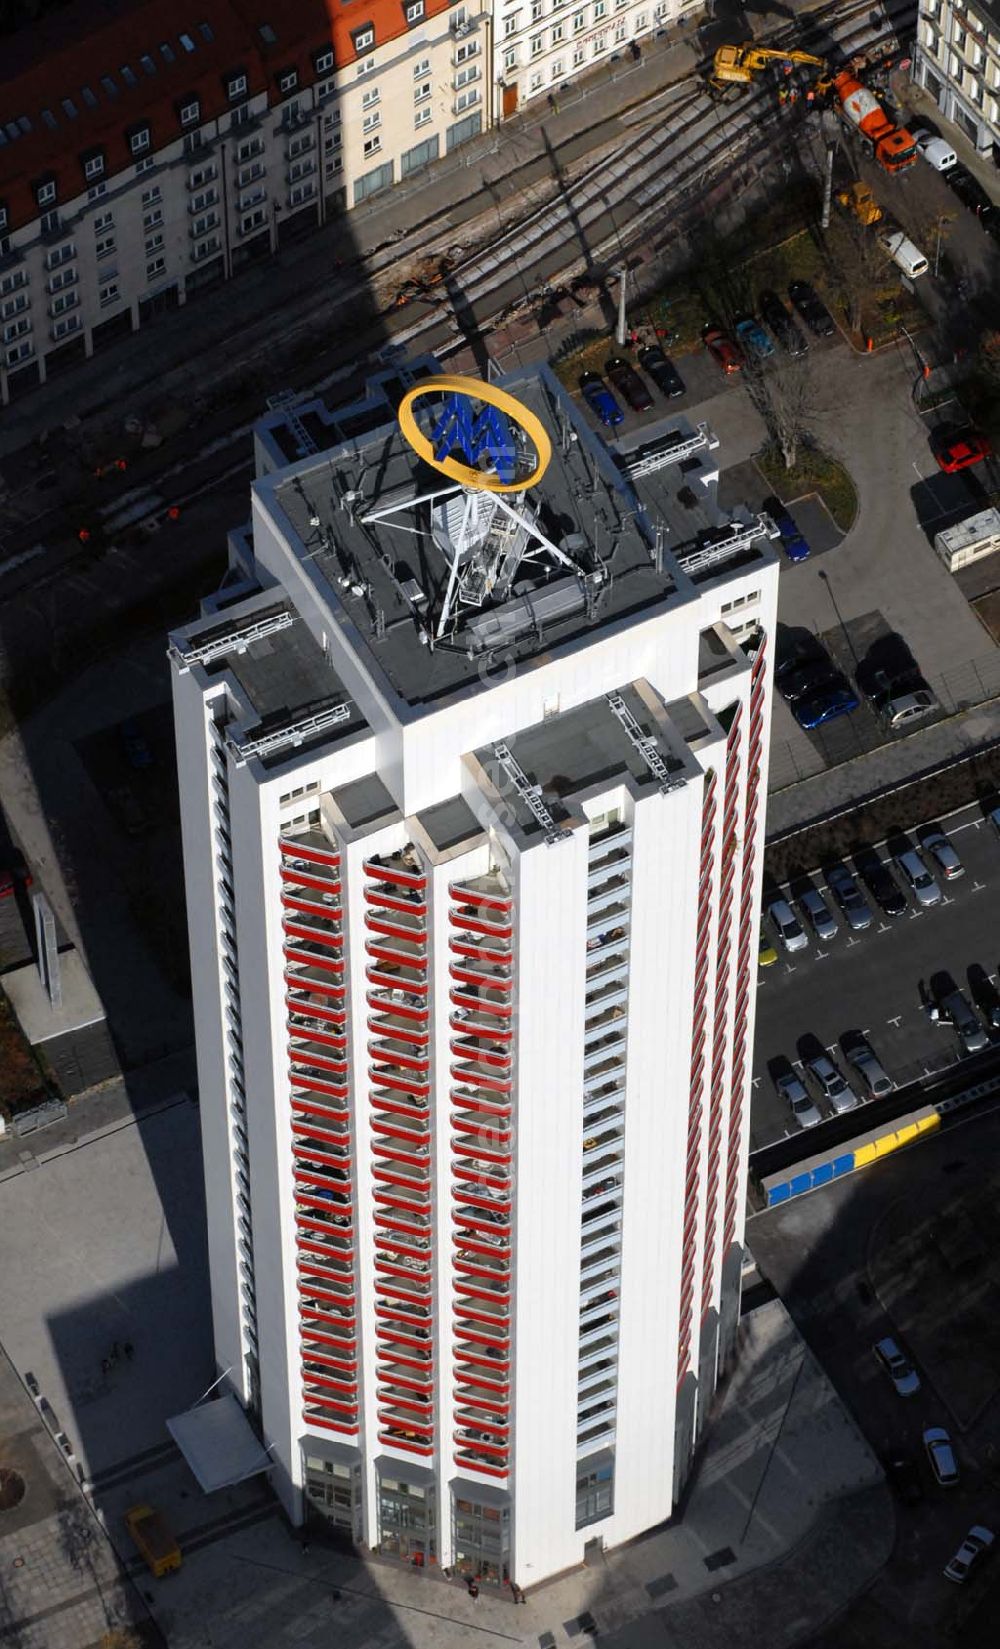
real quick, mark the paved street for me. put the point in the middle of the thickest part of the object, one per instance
(869, 981)
(874, 1254)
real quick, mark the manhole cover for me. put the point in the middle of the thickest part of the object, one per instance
(11, 1488)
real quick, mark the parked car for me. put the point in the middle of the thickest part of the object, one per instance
(812, 309)
(789, 930)
(137, 751)
(600, 400)
(766, 953)
(807, 679)
(860, 1053)
(904, 1477)
(857, 912)
(937, 846)
(662, 371)
(976, 1544)
(626, 380)
(832, 1084)
(818, 914)
(969, 191)
(934, 150)
(774, 314)
(792, 541)
(728, 354)
(958, 448)
(880, 882)
(899, 702)
(899, 1368)
(941, 1456)
(753, 338)
(902, 251)
(925, 889)
(793, 1090)
(836, 700)
(984, 994)
(955, 1009)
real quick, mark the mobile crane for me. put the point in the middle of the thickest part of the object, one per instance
(740, 65)
(859, 109)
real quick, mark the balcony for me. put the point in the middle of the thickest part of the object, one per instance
(401, 869)
(616, 863)
(314, 934)
(605, 946)
(489, 892)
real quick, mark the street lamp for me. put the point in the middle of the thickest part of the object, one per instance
(621, 332)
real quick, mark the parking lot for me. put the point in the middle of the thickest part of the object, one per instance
(870, 981)
(902, 1250)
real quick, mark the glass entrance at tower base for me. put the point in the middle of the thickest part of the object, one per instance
(480, 1519)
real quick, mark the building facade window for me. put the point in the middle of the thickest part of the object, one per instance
(370, 184)
(595, 1489)
(421, 155)
(155, 268)
(481, 1539)
(109, 294)
(407, 1521)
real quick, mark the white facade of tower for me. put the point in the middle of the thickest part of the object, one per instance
(473, 985)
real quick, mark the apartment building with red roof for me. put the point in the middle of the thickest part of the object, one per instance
(150, 149)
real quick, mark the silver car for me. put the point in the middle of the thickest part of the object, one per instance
(787, 926)
(936, 844)
(834, 1087)
(818, 914)
(899, 1368)
(792, 1089)
(941, 1455)
(976, 1543)
(971, 1033)
(862, 1056)
(925, 889)
(857, 912)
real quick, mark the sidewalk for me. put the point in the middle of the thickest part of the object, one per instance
(787, 1520)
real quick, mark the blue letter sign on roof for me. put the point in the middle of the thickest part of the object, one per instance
(487, 434)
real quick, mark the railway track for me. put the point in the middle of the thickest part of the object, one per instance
(608, 207)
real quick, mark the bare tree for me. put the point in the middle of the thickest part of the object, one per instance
(860, 264)
(787, 395)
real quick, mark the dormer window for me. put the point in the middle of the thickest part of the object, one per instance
(4, 219)
(139, 139)
(45, 192)
(236, 86)
(288, 81)
(93, 165)
(414, 11)
(323, 61)
(364, 38)
(189, 111)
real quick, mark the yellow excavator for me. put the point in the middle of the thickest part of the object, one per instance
(740, 65)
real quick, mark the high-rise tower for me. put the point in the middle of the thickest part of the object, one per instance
(472, 749)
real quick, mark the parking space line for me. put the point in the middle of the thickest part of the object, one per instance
(895, 1021)
(978, 887)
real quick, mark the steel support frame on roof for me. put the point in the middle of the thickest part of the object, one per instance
(646, 746)
(694, 561)
(530, 794)
(295, 733)
(235, 640)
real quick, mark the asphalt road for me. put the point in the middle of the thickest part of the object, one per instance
(861, 1259)
(870, 981)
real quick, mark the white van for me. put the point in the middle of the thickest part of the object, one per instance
(935, 151)
(903, 252)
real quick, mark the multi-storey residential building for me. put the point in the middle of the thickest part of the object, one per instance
(156, 151)
(472, 789)
(957, 60)
(539, 45)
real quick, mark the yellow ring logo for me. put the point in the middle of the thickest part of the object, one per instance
(473, 421)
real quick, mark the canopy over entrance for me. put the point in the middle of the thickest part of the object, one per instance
(219, 1443)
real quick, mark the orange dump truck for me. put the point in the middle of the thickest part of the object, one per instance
(153, 1539)
(892, 146)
